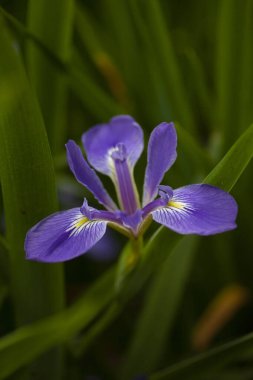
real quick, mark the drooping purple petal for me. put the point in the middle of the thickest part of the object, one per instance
(86, 175)
(161, 156)
(63, 236)
(198, 209)
(100, 140)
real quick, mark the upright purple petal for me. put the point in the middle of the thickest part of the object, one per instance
(198, 209)
(161, 156)
(86, 175)
(63, 236)
(122, 176)
(102, 139)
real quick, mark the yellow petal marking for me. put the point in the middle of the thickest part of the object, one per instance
(80, 222)
(178, 205)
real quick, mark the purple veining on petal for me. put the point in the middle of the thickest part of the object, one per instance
(62, 236)
(86, 175)
(198, 209)
(101, 138)
(161, 156)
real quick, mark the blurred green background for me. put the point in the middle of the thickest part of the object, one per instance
(66, 65)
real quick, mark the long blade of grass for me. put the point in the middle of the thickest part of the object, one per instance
(163, 46)
(199, 84)
(207, 363)
(231, 21)
(90, 37)
(94, 99)
(160, 309)
(228, 170)
(28, 188)
(49, 84)
(246, 72)
(125, 45)
(26, 343)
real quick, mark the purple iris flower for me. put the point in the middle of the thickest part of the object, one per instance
(113, 149)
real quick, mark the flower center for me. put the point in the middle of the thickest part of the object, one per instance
(123, 179)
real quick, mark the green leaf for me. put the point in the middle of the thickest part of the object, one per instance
(246, 72)
(234, 88)
(28, 187)
(199, 83)
(94, 99)
(125, 45)
(227, 172)
(80, 345)
(160, 309)
(26, 343)
(201, 159)
(48, 82)
(4, 261)
(3, 293)
(209, 362)
(167, 59)
(92, 34)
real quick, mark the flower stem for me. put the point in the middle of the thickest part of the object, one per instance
(135, 253)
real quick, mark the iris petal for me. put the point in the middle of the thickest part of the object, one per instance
(86, 175)
(161, 156)
(63, 236)
(102, 139)
(198, 209)
(132, 221)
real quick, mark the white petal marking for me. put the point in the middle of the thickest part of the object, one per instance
(78, 224)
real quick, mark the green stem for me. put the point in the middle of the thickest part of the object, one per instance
(137, 248)
(128, 262)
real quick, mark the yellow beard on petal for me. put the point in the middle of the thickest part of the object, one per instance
(80, 222)
(77, 225)
(178, 205)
